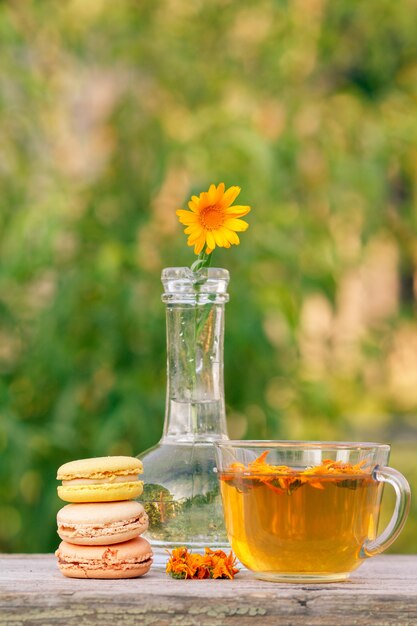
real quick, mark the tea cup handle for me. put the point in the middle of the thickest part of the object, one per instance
(398, 519)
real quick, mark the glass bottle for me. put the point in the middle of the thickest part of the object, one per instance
(181, 491)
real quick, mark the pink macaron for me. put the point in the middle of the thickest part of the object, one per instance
(123, 560)
(101, 523)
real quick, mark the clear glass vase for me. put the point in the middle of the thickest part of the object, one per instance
(181, 492)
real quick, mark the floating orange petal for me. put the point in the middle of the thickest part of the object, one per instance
(281, 478)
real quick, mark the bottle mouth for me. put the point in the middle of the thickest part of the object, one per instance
(181, 284)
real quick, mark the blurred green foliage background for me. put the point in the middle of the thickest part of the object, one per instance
(111, 115)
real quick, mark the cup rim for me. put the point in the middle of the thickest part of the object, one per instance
(299, 444)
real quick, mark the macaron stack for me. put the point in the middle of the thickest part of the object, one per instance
(101, 528)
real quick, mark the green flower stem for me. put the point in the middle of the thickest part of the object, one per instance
(203, 260)
(201, 312)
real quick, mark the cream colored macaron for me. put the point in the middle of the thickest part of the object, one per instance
(101, 523)
(122, 560)
(101, 479)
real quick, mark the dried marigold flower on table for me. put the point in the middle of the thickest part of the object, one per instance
(213, 564)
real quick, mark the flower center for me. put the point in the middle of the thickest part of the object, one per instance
(212, 217)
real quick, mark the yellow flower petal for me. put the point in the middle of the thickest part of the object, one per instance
(218, 237)
(230, 236)
(220, 191)
(237, 225)
(210, 240)
(197, 233)
(204, 201)
(193, 239)
(229, 197)
(237, 210)
(193, 206)
(200, 244)
(212, 194)
(186, 217)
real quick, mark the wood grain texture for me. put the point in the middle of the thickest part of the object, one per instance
(33, 592)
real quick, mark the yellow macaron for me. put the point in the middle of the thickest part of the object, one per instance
(101, 479)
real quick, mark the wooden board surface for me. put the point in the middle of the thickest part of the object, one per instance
(33, 592)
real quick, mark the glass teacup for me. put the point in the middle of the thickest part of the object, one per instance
(307, 511)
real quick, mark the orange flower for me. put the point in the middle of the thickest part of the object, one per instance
(281, 478)
(212, 220)
(213, 564)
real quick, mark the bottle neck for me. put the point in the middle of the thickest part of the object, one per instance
(195, 407)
